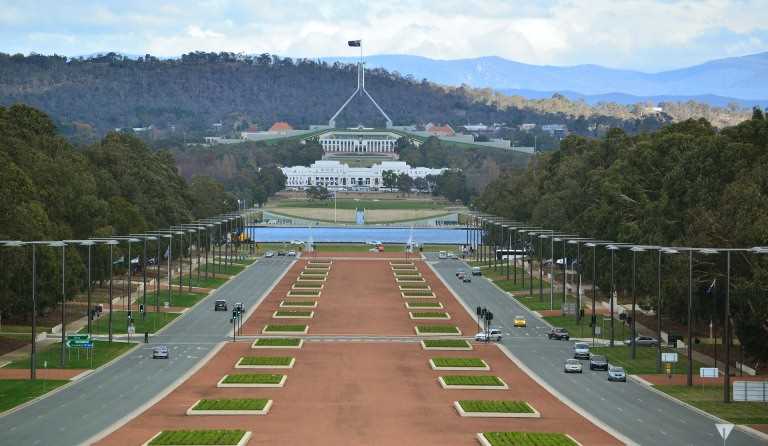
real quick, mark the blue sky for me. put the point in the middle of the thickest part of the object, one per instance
(648, 35)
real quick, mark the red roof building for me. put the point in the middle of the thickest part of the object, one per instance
(441, 130)
(280, 127)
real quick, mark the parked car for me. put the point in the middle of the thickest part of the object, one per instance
(520, 321)
(616, 374)
(572, 366)
(466, 278)
(493, 334)
(269, 254)
(291, 253)
(220, 305)
(476, 271)
(160, 352)
(598, 362)
(581, 350)
(559, 334)
(644, 341)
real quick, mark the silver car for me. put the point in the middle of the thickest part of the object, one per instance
(616, 374)
(581, 350)
(160, 352)
(572, 366)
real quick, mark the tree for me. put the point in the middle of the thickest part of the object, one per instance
(389, 179)
(318, 193)
(404, 183)
(421, 184)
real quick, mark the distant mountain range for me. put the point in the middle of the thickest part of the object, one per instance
(742, 80)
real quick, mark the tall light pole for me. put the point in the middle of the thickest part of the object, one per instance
(635, 249)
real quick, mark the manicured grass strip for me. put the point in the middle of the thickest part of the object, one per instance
(296, 313)
(203, 282)
(437, 329)
(407, 274)
(18, 391)
(417, 293)
(413, 279)
(645, 362)
(414, 286)
(468, 380)
(223, 269)
(253, 378)
(199, 437)
(500, 406)
(308, 284)
(151, 323)
(103, 352)
(287, 327)
(277, 342)
(435, 314)
(304, 292)
(424, 305)
(458, 362)
(266, 360)
(177, 299)
(527, 439)
(298, 303)
(709, 398)
(234, 404)
(446, 343)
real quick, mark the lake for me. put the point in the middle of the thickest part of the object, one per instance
(336, 234)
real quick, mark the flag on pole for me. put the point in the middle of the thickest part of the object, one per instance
(711, 287)
(354, 42)
(167, 253)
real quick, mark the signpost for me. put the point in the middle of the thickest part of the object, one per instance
(724, 429)
(708, 372)
(669, 357)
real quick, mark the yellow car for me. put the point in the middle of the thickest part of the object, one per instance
(520, 321)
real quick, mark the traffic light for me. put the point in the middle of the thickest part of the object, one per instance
(141, 308)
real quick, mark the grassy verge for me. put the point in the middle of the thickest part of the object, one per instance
(468, 380)
(458, 362)
(446, 343)
(288, 327)
(102, 352)
(152, 322)
(576, 329)
(533, 302)
(231, 270)
(527, 439)
(177, 299)
(200, 437)
(234, 404)
(18, 391)
(253, 378)
(308, 284)
(501, 406)
(277, 342)
(266, 360)
(645, 362)
(438, 329)
(709, 398)
(205, 283)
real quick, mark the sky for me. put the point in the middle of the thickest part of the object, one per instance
(645, 35)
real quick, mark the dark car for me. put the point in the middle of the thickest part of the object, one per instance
(559, 334)
(598, 362)
(220, 305)
(644, 341)
(467, 278)
(280, 253)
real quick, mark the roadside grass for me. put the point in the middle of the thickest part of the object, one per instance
(177, 299)
(367, 204)
(458, 362)
(23, 329)
(266, 360)
(709, 398)
(446, 343)
(205, 283)
(231, 270)
(199, 437)
(533, 302)
(577, 329)
(285, 328)
(152, 323)
(233, 404)
(308, 284)
(18, 391)
(645, 363)
(102, 352)
(501, 406)
(528, 439)
(278, 342)
(470, 380)
(438, 329)
(253, 378)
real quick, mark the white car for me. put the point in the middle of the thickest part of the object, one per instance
(291, 253)
(442, 255)
(572, 366)
(494, 334)
(296, 242)
(581, 350)
(269, 254)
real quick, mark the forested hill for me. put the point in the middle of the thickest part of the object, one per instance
(199, 89)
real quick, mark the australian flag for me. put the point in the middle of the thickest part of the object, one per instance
(354, 42)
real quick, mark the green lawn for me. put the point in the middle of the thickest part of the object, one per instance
(308, 284)
(210, 282)
(580, 329)
(533, 302)
(24, 328)
(266, 360)
(152, 323)
(440, 314)
(279, 328)
(645, 363)
(18, 391)
(300, 303)
(351, 247)
(438, 329)
(446, 343)
(200, 437)
(177, 299)
(527, 439)
(103, 352)
(458, 362)
(234, 404)
(414, 286)
(293, 313)
(709, 398)
(304, 292)
(502, 406)
(220, 269)
(469, 380)
(424, 304)
(278, 342)
(359, 204)
(417, 293)
(254, 378)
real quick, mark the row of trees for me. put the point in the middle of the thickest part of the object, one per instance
(52, 191)
(685, 185)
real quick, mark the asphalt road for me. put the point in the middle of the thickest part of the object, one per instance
(77, 413)
(630, 408)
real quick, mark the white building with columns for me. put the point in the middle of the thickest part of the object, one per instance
(358, 141)
(339, 176)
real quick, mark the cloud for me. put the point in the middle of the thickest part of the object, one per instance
(641, 34)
